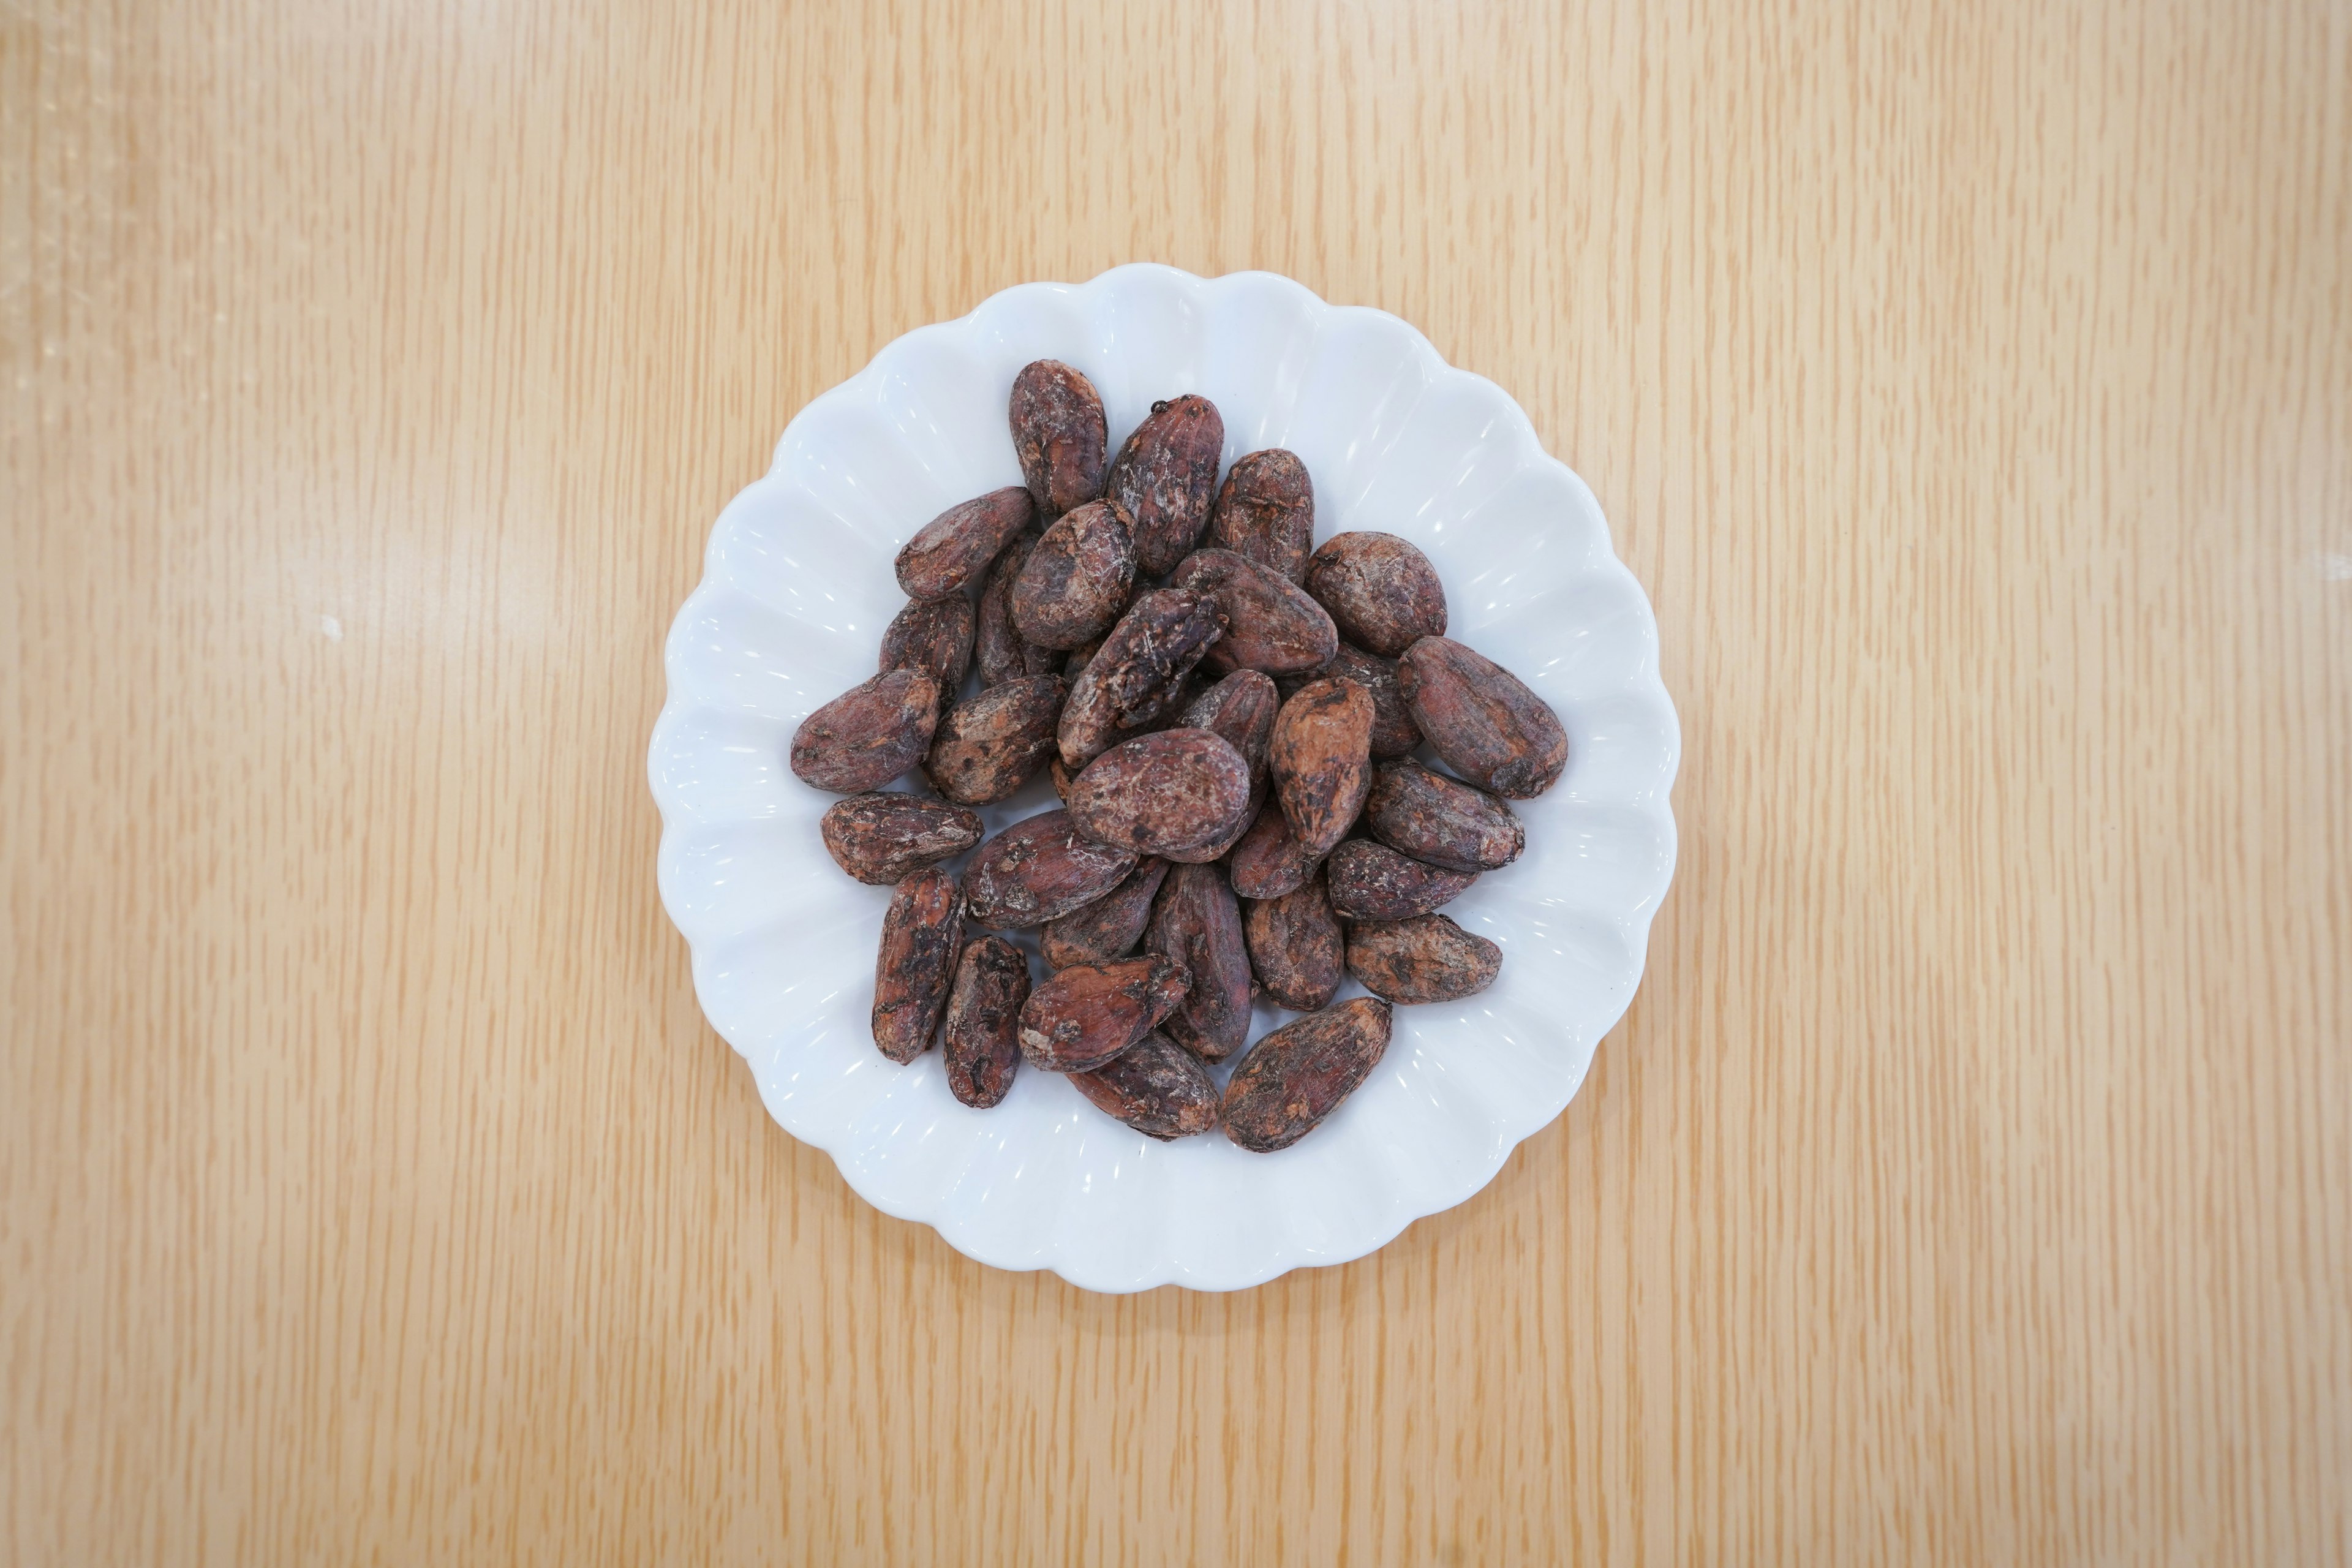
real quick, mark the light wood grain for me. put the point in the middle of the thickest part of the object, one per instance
(1971, 387)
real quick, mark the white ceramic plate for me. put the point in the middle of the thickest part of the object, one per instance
(796, 590)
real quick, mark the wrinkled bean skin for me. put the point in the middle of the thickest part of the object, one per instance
(1059, 434)
(1156, 1087)
(1268, 862)
(1197, 923)
(1086, 1014)
(1109, 927)
(1301, 1073)
(1382, 591)
(1297, 947)
(1039, 870)
(1074, 585)
(1267, 512)
(1271, 623)
(1177, 793)
(986, 748)
(869, 734)
(933, 636)
(1004, 654)
(1394, 734)
(981, 1043)
(1482, 720)
(1320, 757)
(1418, 812)
(1241, 707)
(1139, 671)
(1425, 959)
(956, 546)
(1371, 881)
(1165, 478)
(922, 937)
(884, 839)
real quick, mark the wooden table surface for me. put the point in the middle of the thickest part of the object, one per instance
(1971, 387)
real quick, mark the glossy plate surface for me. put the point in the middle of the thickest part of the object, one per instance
(796, 590)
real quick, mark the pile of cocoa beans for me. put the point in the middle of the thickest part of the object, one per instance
(1220, 705)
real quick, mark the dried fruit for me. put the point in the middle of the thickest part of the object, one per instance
(983, 1042)
(1076, 581)
(1298, 1075)
(1320, 757)
(1002, 652)
(1088, 1014)
(1109, 927)
(1271, 623)
(883, 839)
(1165, 476)
(1241, 707)
(922, 935)
(1296, 946)
(1197, 923)
(1038, 869)
(1443, 821)
(1156, 1087)
(1425, 959)
(987, 747)
(1267, 512)
(933, 636)
(1139, 671)
(1482, 720)
(1059, 434)
(1373, 882)
(1394, 734)
(1177, 793)
(954, 547)
(1268, 862)
(869, 734)
(1382, 591)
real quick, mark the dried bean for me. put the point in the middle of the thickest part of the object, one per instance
(1443, 821)
(1002, 652)
(1076, 581)
(1298, 1075)
(1382, 591)
(922, 935)
(1267, 512)
(1139, 671)
(884, 839)
(1320, 756)
(1059, 434)
(1373, 882)
(983, 1042)
(869, 734)
(1425, 959)
(1038, 869)
(1109, 927)
(1268, 862)
(1086, 1014)
(933, 636)
(1296, 946)
(1177, 793)
(1197, 923)
(987, 747)
(1271, 622)
(1482, 720)
(1156, 1087)
(1165, 478)
(956, 546)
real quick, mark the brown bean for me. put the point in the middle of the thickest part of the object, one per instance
(1297, 947)
(1177, 793)
(1482, 720)
(1298, 1075)
(956, 546)
(983, 1041)
(1382, 591)
(1109, 927)
(884, 839)
(1373, 882)
(1084, 1016)
(1271, 623)
(1156, 1087)
(1241, 707)
(1267, 512)
(1165, 476)
(1394, 734)
(1059, 434)
(1063, 777)
(1197, 923)
(869, 734)
(1320, 757)
(922, 935)
(1139, 671)
(1443, 821)
(1267, 862)
(1002, 652)
(1425, 959)
(1076, 581)
(1038, 869)
(987, 747)
(933, 636)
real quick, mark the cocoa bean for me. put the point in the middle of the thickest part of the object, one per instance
(1271, 623)
(933, 636)
(1394, 734)
(1298, 1075)
(1110, 926)
(1241, 707)
(884, 839)
(956, 546)
(1320, 757)
(869, 734)
(1165, 476)
(1371, 881)
(922, 935)
(1139, 671)
(1002, 652)
(1059, 770)
(1059, 434)
(1076, 581)
(1197, 923)
(1156, 1087)
(1296, 946)
(1382, 591)
(1268, 862)
(1177, 793)
(1441, 821)
(1425, 959)
(1481, 720)
(983, 1041)
(1267, 512)
(987, 747)
(1038, 869)
(1084, 1016)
